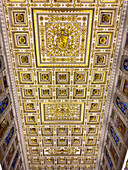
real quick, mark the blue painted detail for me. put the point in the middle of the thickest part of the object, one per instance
(3, 105)
(14, 161)
(109, 159)
(9, 136)
(122, 106)
(114, 135)
(126, 64)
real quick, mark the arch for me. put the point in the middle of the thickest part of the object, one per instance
(124, 64)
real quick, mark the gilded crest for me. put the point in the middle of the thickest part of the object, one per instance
(62, 39)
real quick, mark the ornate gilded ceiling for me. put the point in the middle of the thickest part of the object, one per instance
(62, 54)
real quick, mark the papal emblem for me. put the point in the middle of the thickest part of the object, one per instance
(63, 39)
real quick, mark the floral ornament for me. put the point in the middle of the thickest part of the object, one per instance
(45, 77)
(77, 129)
(62, 140)
(48, 140)
(35, 150)
(62, 129)
(62, 92)
(26, 76)
(24, 59)
(91, 129)
(100, 59)
(89, 150)
(90, 140)
(19, 17)
(95, 91)
(36, 160)
(94, 105)
(105, 18)
(97, 76)
(30, 105)
(45, 92)
(62, 77)
(47, 130)
(79, 92)
(80, 77)
(33, 130)
(31, 118)
(103, 40)
(28, 91)
(34, 140)
(76, 140)
(92, 118)
(22, 40)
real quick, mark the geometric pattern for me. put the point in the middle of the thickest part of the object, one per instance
(62, 55)
(21, 40)
(19, 18)
(23, 60)
(65, 37)
(106, 18)
(62, 113)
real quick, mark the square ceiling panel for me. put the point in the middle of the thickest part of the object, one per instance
(62, 37)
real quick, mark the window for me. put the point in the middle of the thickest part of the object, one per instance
(8, 138)
(108, 158)
(121, 105)
(3, 105)
(125, 64)
(114, 135)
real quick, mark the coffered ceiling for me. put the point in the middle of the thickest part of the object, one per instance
(62, 54)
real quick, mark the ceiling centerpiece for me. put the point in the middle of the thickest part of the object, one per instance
(62, 37)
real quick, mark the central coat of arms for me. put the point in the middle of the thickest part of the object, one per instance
(63, 39)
